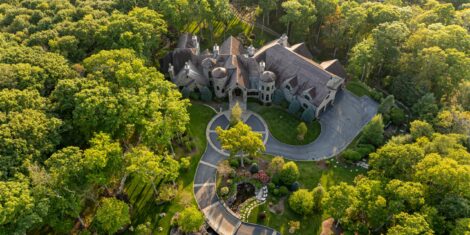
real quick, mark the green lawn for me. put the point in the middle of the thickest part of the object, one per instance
(141, 195)
(358, 88)
(283, 125)
(310, 175)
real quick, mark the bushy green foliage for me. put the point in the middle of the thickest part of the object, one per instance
(289, 173)
(373, 132)
(302, 202)
(294, 106)
(351, 155)
(190, 219)
(112, 215)
(254, 168)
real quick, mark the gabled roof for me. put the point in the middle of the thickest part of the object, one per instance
(232, 46)
(335, 67)
(287, 64)
(302, 50)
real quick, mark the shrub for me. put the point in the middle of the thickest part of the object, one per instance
(301, 131)
(397, 116)
(271, 186)
(364, 150)
(206, 94)
(351, 155)
(294, 106)
(194, 95)
(185, 92)
(190, 219)
(234, 162)
(308, 115)
(276, 165)
(420, 128)
(283, 191)
(224, 191)
(376, 95)
(275, 192)
(229, 182)
(276, 179)
(185, 163)
(289, 173)
(262, 177)
(301, 202)
(373, 132)
(295, 186)
(318, 194)
(254, 168)
(248, 161)
(278, 97)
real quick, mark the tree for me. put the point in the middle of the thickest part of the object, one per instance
(240, 140)
(112, 215)
(289, 173)
(301, 131)
(190, 219)
(462, 227)
(414, 224)
(420, 128)
(236, 114)
(308, 115)
(426, 108)
(339, 199)
(123, 97)
(17, 213)
(298, 11)
(373, 132)
(318, 195)
(151, 168)
(276, 165)
(301, 201)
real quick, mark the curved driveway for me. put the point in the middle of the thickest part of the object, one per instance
(340, 125)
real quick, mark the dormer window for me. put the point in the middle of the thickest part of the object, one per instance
(307, 97)
(288, 87)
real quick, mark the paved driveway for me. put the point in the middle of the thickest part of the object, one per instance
(340, 124)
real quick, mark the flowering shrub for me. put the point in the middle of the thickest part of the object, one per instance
(262, 177)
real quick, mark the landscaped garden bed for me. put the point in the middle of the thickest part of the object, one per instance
(282, 180)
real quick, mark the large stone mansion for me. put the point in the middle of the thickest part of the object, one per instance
(238, 72)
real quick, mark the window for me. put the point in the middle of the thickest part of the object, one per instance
(288, 87)
(217, 87)
(305, 105)
(307, 97)
(223, 90)
(267, 88)
(267, 97)
(262, 96)
(262, 87)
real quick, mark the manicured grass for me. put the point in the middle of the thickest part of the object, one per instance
(283, 125)
(358, 88)
(310, 175)
(141, 195)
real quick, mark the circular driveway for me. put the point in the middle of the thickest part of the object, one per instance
(222, 120)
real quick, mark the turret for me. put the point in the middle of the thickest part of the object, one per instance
(267, 82)
(219, 76)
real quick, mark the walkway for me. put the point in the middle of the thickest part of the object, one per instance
(340, 125)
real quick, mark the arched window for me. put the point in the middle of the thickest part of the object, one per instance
(267, 97)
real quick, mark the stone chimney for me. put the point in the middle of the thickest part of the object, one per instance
(195, 44)
(215, 51)
(171, 71)
(186, 69)
(283, 40)
(262, 66)
(251, 51)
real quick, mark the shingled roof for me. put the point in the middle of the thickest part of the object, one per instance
(335, 67)
(302, 50)
(287, 64)
(232, 46)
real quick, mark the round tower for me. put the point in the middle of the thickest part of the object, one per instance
(219, 75)
(207, 65)
(267, 82)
